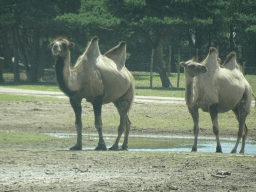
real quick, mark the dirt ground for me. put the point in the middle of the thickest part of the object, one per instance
(43, 168)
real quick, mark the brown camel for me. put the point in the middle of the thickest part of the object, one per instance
(218, 90)
(98, 78)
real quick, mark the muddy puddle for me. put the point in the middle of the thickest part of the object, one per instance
(166, 143)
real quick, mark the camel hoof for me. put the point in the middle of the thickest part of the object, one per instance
(241, 151)
(194, 149)
(125, 148)
(76, 148)
(101, 147)
(233, 151)
(113, 148)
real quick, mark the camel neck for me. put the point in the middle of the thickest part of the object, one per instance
(60, 71)
(189, 89)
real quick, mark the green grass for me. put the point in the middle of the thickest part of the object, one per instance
(21, 137)
(30, 140)
(142, 83)
(19, 140)
(16, 98)
(40, 87)
(168, 117)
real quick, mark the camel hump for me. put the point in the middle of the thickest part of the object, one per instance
(92, 52)
(230, 62)
(118, 54)
(95, 39)
(213, 50)
(230, 56)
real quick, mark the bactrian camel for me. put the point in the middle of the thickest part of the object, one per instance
(218, 90)
(100, 79)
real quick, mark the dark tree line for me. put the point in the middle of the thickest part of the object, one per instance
(27, 27)
(25, 30)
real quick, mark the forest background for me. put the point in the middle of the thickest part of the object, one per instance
(175, 29)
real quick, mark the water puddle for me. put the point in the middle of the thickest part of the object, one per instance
(167, 143)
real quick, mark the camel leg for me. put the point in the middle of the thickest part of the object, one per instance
(97, 106)
(195, 115)
(242, 132)
(122, 106)
(127, 130)
(122, 126)
(214, 116)
(244, 138)
(76, 105)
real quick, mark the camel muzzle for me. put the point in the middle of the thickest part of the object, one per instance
(204, 69)
(56, 50)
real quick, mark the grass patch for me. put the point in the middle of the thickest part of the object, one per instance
(156, 143)
(142, 83)
(37, 87)
(178, 117)
(21, 137)
(16, 98)
(161, 116)
(29, 140)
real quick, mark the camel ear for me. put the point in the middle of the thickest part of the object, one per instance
(183, 64)
(71, 44)
(92, 51)
(118, 54)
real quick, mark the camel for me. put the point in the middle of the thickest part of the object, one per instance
(100, 79)
(217, 90)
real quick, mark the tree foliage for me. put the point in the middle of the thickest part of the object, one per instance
(27, 26)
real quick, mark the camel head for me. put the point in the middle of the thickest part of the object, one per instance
(60, 46)
(193, 68)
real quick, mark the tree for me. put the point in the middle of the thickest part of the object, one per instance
(35, 19)
(124, 18)
(197, 24)
(175, 21)
(246, 33)
(25, 25)
(6, 20)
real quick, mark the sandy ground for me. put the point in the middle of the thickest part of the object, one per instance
(43, 168)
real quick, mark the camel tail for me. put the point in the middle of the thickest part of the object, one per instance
(254, 98)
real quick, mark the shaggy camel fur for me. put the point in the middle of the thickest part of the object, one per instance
(218, 90)
(98, 78)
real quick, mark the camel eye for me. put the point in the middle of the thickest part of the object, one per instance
(64, 46)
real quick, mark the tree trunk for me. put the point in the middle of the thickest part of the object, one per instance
(44, 58)
(16, 56)
(158, 60)
(1, 69)
(198, 42)
(231, 39)
(6, 50)
(35, 57)
(22, 44)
